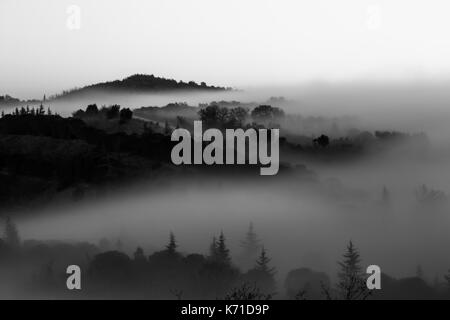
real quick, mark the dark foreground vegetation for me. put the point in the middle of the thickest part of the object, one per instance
(37, 269)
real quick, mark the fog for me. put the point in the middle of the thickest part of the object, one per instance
(301, 223)
(409, 106)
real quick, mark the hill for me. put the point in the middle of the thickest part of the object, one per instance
(139, 83)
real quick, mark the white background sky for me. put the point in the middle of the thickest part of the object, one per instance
(232, 42)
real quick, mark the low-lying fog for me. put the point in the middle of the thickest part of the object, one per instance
(299, 226)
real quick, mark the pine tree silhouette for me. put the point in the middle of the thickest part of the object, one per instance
(223, 254)
(172, 246)
(351, 284)
(251, 242)
(139, 254)
(262, 264)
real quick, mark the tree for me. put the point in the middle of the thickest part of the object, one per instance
(125, 115)
(211, 115)
(266, 113)
(112, 111)
(251, 243)
(11, 233)
(262, 274)
(262, 264)
(351, 283)
(92, 109)
(172, 246)
(139, 255)
(223, 254)
(322, 141)
(237, 116)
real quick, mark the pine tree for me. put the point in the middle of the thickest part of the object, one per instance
(262, 264)
(351, 284)
(139, 255)
(251, 242)
(172, 246)
(11, 233)
(223, 254)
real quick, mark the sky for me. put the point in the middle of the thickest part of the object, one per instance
(51, 45)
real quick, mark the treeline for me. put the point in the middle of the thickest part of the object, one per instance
(108, 272)
(42, 153)
(214, 116)
(149, 144)
(112, 112)
(139, 82)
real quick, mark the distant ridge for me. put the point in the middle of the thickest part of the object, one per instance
(138, 83)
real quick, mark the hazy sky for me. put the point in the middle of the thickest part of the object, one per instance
(232, 42)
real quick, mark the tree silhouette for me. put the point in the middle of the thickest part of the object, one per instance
(139, 255)
(125, 115)
(92, 109)
(223, 254)
(266, 113)
(172, 246)
(251, 243)
(262, 264)
(322, 141)
(112, 112)
(351, 283)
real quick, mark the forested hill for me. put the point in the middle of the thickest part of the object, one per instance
(139, 83)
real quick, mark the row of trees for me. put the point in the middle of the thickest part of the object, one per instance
(38, 111)
(171, 274)
(111, 112)
(224, 117)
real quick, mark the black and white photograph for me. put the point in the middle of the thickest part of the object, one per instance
(211, 150)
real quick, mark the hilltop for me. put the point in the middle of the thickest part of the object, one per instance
(139, 83)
